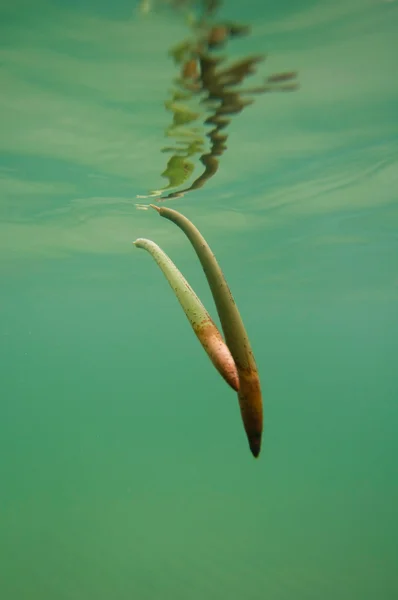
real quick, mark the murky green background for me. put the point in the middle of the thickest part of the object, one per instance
(124, 468)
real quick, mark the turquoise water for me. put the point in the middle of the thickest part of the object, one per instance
(125, 471)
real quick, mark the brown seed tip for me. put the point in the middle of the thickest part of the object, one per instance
(155, 207)
(255, 445)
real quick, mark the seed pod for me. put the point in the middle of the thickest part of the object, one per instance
(200, 320)
(249, 394)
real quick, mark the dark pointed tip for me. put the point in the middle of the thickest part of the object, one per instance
(255, 446)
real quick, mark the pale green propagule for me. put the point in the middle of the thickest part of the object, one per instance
(233, 359)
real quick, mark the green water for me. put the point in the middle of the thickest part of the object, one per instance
(125, 471)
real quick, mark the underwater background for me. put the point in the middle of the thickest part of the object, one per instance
(124, 467)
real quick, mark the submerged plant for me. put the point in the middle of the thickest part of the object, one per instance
(236, 338)
(200, 320)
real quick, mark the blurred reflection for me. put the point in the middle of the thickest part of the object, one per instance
(207, 83)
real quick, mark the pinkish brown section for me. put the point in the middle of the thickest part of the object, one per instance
(220, 356)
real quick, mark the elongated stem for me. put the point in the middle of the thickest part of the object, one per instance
(249, 393)
(200, 320)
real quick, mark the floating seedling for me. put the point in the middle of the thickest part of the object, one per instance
(236, 338)
(200, 320)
